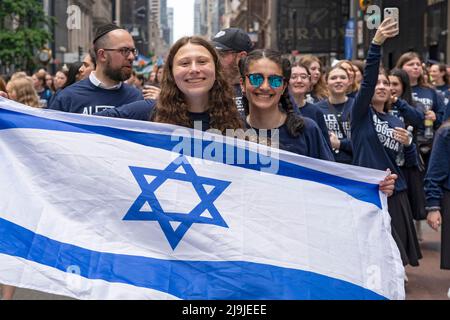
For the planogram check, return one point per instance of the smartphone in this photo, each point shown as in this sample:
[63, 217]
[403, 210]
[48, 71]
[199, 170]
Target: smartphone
[392, 13]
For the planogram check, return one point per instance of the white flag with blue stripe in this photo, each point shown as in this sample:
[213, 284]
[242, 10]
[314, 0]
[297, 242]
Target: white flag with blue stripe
[100, 208]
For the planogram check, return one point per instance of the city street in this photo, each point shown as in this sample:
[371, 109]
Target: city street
[426, 282]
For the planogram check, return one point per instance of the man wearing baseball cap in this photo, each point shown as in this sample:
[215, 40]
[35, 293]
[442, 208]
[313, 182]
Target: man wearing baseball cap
[232, 44]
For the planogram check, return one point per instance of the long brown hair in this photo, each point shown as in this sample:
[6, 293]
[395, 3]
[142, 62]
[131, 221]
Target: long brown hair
[319, 90]
[405, 58]
[171, 106]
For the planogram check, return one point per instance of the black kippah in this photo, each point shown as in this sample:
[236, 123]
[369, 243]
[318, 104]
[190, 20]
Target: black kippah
[104, 29]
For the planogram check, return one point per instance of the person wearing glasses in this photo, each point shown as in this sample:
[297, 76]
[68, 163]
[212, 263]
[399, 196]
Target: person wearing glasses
[299, 86]
[105, 87]
[265, 77]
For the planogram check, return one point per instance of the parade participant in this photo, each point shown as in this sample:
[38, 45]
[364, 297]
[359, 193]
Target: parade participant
[194, 88]
[88, 65]
[60, 79]
[73, 74]
[425, 94]
[437, 190]
[233, 44]
[152, 90]
[353, 87]
[412, 113]
[378, 139]
[403, 104]
[337, 109]
[299, 86]
[22, 90]
[319, 90]
[49, 82]
[264, 78]
[40, 86]
[440, 78]
[105, 87]
[441, 82]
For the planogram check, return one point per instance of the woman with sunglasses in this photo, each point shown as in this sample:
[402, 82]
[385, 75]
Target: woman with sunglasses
[264, 81]
[378, 138]
[299, 86]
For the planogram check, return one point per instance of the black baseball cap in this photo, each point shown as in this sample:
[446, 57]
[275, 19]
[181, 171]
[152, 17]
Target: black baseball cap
[233, 39]
[104, 29]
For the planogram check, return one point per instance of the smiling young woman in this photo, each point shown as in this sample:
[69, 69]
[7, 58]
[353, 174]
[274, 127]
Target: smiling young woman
[194, 88]
[264, 80]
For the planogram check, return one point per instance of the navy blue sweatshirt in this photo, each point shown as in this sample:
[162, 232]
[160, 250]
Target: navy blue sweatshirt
[138, 110]
[430, 98]
[343, 111]
[84, 97]
[437, 179]
[141, 110]
[310, 142]
[409, 114]
[372, 132]
[313, 112]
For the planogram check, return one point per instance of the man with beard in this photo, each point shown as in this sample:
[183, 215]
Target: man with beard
[105, 87]
[232, 44]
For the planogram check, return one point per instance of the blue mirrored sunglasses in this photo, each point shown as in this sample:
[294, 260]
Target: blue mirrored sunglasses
[257, 79]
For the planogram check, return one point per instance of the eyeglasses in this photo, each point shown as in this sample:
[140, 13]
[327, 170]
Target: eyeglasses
[125, 51]
[302, 76]
[257, 79]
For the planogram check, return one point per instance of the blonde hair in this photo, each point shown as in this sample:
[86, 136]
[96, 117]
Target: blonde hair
[353, 87]
[24, 91]
[18, 75]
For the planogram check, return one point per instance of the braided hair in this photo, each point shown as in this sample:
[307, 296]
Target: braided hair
[294, 122]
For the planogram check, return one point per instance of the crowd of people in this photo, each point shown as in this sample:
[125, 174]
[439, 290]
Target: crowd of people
[352, 112]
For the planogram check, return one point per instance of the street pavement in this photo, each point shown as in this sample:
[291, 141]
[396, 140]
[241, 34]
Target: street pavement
[426, 282]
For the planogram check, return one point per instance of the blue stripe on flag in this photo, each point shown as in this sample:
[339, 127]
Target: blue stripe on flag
[237, 280]
[359, 190]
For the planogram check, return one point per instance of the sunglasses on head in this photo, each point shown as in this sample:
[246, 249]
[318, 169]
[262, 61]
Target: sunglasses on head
[257, 79]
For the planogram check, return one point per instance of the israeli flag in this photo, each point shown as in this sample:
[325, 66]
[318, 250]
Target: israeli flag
[101, 208]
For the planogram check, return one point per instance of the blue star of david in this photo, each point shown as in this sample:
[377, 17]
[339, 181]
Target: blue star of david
[174, 236]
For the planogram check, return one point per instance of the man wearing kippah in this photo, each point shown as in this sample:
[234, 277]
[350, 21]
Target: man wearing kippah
[105, 87]
[232, 44]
